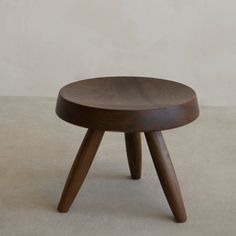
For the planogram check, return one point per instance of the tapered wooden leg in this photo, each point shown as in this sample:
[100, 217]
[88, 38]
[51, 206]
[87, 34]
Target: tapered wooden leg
[134, 153]
[166, 174]
[80, 168]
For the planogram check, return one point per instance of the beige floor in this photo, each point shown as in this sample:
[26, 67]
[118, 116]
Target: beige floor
[37, 150]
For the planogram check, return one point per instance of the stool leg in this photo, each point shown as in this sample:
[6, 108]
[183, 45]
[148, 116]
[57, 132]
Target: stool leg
[166, 174]
[134, 153]
[80, 168]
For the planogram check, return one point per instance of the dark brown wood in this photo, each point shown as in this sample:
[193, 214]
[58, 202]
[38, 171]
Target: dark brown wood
[80, 168]
[134, 153]
[127, 104]
[166, 174]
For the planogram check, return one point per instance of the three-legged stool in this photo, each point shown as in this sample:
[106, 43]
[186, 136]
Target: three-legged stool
[130, 105]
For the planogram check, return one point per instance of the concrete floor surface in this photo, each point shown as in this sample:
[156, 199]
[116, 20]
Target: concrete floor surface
[37, 150]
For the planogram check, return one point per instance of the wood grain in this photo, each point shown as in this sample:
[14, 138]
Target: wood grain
[166, 174]
[80, 168]
[127, 104]
[134, 154]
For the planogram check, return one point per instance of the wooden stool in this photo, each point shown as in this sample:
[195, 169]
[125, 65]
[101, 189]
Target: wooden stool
[130, 105]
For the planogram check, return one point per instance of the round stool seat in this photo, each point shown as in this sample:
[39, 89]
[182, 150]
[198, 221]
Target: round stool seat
[127, 104]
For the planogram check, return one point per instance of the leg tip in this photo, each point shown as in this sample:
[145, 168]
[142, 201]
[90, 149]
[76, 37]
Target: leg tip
[181, 219]
[136, 175]
[62, 210]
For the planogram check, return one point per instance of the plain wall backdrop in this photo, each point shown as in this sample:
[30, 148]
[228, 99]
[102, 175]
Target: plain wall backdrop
[45, 44]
